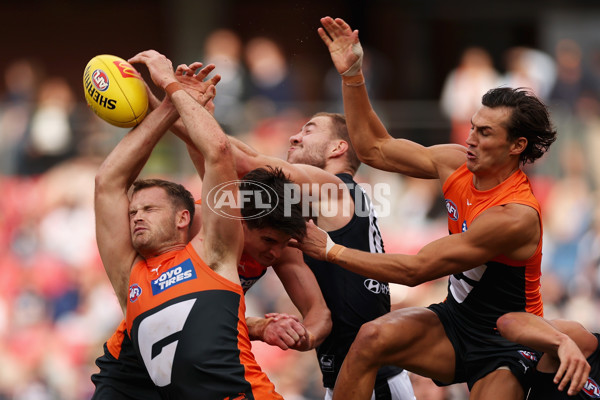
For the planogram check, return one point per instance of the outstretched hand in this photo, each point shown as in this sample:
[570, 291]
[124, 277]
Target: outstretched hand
[159, 66]
[196, 84]
[343, 44]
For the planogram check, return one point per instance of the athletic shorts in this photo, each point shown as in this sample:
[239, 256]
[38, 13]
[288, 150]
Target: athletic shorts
[124, 378]
[478, 353]
[397, 387]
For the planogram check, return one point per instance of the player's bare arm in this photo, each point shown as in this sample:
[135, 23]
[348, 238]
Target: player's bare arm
[512, 230]
[542, 335]
[111, 203]
[371, 140]
[302, 287]
[220, 239]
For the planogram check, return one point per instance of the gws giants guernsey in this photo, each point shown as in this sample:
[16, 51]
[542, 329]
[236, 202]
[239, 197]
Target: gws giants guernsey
[481, 295]
[187, 325]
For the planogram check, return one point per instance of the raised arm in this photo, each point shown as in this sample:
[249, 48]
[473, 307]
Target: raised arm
[371, 140]
[111, 203]
[542, 335]
[220, 240]
[512, 230]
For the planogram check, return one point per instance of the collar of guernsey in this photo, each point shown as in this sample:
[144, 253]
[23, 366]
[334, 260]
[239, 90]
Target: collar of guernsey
[459, 192]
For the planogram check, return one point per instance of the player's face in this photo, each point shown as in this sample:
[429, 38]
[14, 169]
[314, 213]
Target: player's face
[310, 145]
[488, 145]
[152, 220]
[265, 245]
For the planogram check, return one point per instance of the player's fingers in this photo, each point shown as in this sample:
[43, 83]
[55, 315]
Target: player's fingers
[324, 36]
[181, 69]
[215, 79]
[195, 66]
[204, 72]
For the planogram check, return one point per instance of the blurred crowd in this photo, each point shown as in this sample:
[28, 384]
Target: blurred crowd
[57, 307]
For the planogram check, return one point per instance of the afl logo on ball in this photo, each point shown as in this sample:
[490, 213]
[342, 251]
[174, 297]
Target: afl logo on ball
[134, 292]
[100, 80]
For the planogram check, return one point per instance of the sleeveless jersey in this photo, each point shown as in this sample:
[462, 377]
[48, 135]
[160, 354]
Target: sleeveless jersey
[188, 327]
[544, 388]
[352, 298]
[478, 297]
[122, 375]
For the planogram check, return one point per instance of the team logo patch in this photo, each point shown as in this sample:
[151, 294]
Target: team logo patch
[592, 389]
[174, 276]
[134, 292]
[528, 355]
[452, 210]
[100, 80]
[327, 363]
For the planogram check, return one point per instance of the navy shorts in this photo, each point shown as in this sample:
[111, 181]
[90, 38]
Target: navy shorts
[480, 352]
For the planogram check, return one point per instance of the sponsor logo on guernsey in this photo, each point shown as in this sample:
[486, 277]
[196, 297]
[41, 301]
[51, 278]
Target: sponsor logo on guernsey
[464, 226]
[452, 210]
[592, 389]
[528, 355]
[247, 283]
[174, 276]
[134, 292]
[377, 287]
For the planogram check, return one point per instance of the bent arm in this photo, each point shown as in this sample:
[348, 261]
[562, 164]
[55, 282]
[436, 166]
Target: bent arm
[371, 140]
[542, 335]
[304, 291]
[111, 203]
[512, 230]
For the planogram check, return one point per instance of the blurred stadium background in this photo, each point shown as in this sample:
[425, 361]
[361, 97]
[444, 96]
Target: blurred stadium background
[426, 63]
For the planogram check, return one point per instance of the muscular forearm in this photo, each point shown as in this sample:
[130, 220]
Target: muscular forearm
[532, 331]
[125, 162]
[364, 126]
[318, 325]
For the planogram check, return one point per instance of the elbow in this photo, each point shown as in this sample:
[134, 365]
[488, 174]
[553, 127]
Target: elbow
[369, 154]
[220, 151]
[504, 325]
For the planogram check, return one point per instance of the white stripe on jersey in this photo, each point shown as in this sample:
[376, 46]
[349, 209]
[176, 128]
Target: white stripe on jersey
[375, 239]
[460, 288]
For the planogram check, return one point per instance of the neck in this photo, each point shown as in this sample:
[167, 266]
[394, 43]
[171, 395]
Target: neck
[487, 182]
[335, 167]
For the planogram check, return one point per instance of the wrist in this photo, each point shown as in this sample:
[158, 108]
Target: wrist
[334, 253]
[354, 80]
[172, 88]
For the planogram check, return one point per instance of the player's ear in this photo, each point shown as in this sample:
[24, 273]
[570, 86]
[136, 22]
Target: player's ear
[341, 147]
[183, 219]
[519, 145]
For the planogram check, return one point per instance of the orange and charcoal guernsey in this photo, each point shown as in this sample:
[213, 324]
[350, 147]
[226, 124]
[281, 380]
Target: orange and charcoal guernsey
[187, 324]
[481, 295]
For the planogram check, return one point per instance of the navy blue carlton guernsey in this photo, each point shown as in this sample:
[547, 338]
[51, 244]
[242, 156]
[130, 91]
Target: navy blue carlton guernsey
[352, 298]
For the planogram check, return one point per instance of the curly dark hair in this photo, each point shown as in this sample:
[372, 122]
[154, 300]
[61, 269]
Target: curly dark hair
[289, 221]
[179, 195]
[529, 119]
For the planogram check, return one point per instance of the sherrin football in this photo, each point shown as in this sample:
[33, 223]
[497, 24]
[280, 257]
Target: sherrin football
[115, 91]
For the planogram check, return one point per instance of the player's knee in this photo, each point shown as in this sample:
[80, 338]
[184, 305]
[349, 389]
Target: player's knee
[371, 337]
